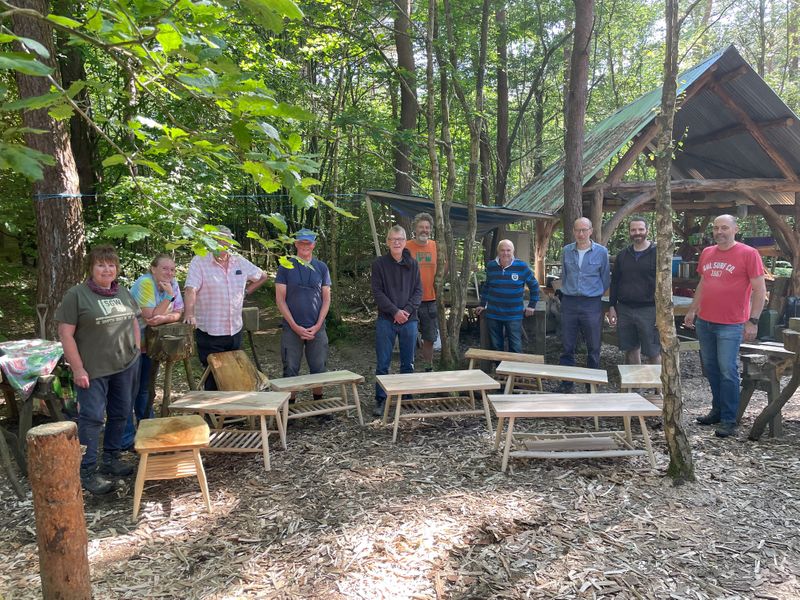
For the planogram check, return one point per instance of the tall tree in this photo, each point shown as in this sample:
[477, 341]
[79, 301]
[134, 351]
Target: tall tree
[57, 202]
[681, 467]
[408, 97]
[575, 115]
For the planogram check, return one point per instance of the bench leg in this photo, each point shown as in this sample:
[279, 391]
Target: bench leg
[264, 442]
[509, 440]
[280, 424]
[509, 385]
[396, 416]
[201, 474]
[627, 422]
[499, 433]
[357, 402]
[647, 445]
[141, 473]
[485, 410]
[593, 390]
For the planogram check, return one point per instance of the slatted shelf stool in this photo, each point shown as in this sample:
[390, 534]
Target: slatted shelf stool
[170, 449]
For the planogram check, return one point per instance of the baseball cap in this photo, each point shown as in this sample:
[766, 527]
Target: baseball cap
[306, 235]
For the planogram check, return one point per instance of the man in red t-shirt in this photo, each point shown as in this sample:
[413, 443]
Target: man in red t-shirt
[726, 307]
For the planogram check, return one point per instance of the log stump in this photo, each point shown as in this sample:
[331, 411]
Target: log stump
[54, 459]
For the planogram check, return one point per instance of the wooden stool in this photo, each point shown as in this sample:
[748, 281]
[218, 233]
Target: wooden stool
[176, 443]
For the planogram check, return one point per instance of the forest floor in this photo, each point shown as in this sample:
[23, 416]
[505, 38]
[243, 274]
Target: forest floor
[344, 513]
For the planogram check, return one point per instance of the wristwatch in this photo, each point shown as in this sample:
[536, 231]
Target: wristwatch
[753, 320]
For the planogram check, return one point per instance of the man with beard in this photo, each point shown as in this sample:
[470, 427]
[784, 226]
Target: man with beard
[423, 249]
[726, 307]
[632, 297]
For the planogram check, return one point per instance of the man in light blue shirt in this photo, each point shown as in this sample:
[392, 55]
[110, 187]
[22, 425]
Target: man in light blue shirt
[585, 275]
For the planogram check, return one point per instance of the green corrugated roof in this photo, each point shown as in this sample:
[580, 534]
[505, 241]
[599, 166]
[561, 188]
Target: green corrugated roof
[545, 194]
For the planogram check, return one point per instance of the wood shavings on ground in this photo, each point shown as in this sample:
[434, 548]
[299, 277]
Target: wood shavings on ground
[347, 514]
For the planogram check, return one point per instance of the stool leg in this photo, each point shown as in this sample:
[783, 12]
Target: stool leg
[265, 441]
[201, 477]
[357, 401]
[139, 485]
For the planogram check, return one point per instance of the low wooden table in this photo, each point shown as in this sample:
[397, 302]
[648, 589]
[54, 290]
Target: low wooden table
[237, 404]
[436, 382]
[632, 377]
[573, 445]
[489, 357]
[343, 379]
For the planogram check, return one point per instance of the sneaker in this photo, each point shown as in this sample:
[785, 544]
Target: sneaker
[724, 430]
[712, 418]
[112, 464]
[94, 483]
[377, 408]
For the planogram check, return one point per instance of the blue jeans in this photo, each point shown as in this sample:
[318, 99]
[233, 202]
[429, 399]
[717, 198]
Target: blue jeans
[719, 351]
[386, 332]
[581, 314]
[139, 402]
[110, 396]
[499, 331]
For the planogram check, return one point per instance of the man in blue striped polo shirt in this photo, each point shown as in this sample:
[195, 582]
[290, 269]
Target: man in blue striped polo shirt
[503, 296]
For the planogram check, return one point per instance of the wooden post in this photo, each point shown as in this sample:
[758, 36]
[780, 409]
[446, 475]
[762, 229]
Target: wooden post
[54, 458]
[597, 215]
[368, 202]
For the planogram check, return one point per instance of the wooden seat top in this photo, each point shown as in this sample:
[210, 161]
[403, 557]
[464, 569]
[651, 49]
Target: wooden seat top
[307, 382]
[575, 374]
[774, 350]
[232, 403]
[171, 433]
[437, 381]
[640, 375]
[572, 405]
[484, 354]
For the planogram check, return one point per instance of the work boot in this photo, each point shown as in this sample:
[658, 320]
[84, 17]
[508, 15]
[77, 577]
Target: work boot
[94, 483]
[113, 464]
[377, 409]
[724, 430]
[712, 418]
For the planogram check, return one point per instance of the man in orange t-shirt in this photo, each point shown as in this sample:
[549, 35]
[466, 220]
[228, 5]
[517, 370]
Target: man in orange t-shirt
[423, 249]
[726, 307]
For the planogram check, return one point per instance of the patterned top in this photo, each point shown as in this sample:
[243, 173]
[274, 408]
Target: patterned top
[147, 294]
[220, 292]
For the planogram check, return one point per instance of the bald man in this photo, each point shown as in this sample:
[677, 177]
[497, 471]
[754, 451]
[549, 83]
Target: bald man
[726, 307]
[585, 275]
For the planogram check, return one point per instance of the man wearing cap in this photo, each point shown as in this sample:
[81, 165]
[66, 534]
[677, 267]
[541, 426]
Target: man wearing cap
[214, 294]
[303, 295]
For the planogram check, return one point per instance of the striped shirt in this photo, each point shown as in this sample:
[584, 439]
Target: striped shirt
[503, 293]
[220, 292]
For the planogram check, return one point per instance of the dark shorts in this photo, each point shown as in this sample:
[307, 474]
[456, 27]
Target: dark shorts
[293, 347]
[636, 327]
[428, 320]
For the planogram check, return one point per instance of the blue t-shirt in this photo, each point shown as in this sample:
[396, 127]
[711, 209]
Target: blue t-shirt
[304, 289]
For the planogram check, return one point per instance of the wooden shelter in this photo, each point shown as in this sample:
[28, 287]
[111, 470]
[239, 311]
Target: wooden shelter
[737, 151]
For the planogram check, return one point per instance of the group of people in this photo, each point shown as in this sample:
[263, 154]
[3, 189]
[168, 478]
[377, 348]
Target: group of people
[112, 384]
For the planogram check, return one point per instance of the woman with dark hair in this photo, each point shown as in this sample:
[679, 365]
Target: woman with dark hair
[159, 297]
[98, 329]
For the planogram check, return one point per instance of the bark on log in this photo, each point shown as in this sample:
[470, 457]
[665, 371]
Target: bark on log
[53, 470]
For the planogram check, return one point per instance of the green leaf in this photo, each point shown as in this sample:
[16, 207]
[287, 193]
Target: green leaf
[263, 175]
[61, 112]
[153, 165]
[33, 103]
[35, 46]
[23, 63]
[285, 262]
[131, 233]
[24, 160]
[169, 37]
[269, 131]
[294, 143]
[115, 159]
[287, 8]
[64, 21]
[242, 135]
[302, 199]
[95, 22]
[75, 88]
[278, 221]
[7, 37]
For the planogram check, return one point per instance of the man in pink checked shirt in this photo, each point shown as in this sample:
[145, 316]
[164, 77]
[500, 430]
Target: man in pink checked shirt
[214, 294]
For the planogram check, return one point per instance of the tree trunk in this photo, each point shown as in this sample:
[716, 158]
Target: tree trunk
[408, 98]
[54, 458]
[503, 149]
[57, 203]
[574, 114]
[681, 467]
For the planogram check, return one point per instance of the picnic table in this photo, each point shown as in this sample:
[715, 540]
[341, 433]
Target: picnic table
[603, 444]
[436, 382]
[218, 405]
[342, 379]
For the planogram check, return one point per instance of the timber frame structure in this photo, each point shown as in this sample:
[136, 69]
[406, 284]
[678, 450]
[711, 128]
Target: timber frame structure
[737, 151]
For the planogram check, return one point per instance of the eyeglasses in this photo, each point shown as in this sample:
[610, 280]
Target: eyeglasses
[396, 240]
[584, 230]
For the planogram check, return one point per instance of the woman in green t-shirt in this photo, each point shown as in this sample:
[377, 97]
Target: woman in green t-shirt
[100, 335]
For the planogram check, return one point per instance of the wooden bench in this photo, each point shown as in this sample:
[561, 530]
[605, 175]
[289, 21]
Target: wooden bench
[632, 377]
[169, 449]
[572, 445]
[342, 379]
[763, 365]
[436, 382]
[219, 405]
[493, 356]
